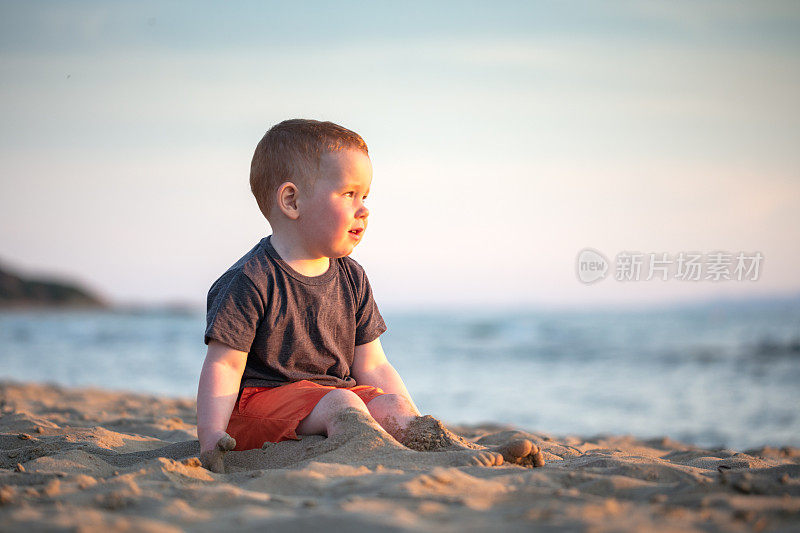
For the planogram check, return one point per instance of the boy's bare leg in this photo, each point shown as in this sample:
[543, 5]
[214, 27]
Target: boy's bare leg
[322, 419]
[341, 412]
[425, 433]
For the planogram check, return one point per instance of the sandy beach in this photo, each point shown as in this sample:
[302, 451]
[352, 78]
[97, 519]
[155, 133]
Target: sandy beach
[88, 459]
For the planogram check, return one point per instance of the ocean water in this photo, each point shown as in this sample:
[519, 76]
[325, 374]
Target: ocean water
[724, 375]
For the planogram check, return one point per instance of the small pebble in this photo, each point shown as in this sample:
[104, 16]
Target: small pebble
[19, 468]
[24, 436]
[658, 498]
[784, 479]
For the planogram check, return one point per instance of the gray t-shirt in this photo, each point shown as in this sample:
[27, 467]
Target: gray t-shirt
[293, 327]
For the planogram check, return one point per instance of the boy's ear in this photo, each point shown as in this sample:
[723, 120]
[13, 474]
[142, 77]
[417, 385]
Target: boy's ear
[287, 200]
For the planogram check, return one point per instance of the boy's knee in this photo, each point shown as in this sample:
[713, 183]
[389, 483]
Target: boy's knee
[389, 403]
[342, 399]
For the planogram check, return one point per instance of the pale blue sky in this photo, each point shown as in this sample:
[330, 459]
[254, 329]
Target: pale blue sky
[504, 138]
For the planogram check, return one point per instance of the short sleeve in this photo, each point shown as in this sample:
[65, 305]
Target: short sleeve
[369, 322]
[235, 309]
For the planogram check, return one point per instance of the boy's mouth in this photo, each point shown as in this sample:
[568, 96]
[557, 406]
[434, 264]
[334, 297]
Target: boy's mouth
[357, 232]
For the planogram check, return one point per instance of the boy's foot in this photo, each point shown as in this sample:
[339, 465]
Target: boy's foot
[213, 459]
[469, 457]
[425, 433]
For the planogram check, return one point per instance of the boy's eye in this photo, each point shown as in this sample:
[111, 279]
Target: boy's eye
[351, 194]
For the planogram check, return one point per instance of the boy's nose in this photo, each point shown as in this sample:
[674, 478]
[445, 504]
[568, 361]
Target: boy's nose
[363, 212]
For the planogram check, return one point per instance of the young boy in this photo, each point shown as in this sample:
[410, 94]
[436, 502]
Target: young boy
[292, 327]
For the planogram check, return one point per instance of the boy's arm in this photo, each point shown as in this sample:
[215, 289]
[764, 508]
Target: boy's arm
[370, 367]
[217, 392]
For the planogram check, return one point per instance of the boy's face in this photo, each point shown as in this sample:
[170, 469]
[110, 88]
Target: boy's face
[333, 216]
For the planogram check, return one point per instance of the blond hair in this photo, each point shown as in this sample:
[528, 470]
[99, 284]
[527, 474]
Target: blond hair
[291, 151]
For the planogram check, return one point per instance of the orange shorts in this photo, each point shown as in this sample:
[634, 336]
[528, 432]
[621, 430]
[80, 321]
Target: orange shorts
[272, 414]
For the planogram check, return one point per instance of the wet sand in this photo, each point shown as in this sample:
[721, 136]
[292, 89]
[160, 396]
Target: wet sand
[87, 459]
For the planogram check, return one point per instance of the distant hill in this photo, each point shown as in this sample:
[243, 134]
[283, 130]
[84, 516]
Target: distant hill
[18, 291]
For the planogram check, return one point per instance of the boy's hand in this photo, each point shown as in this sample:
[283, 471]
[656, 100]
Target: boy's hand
[212, 459]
